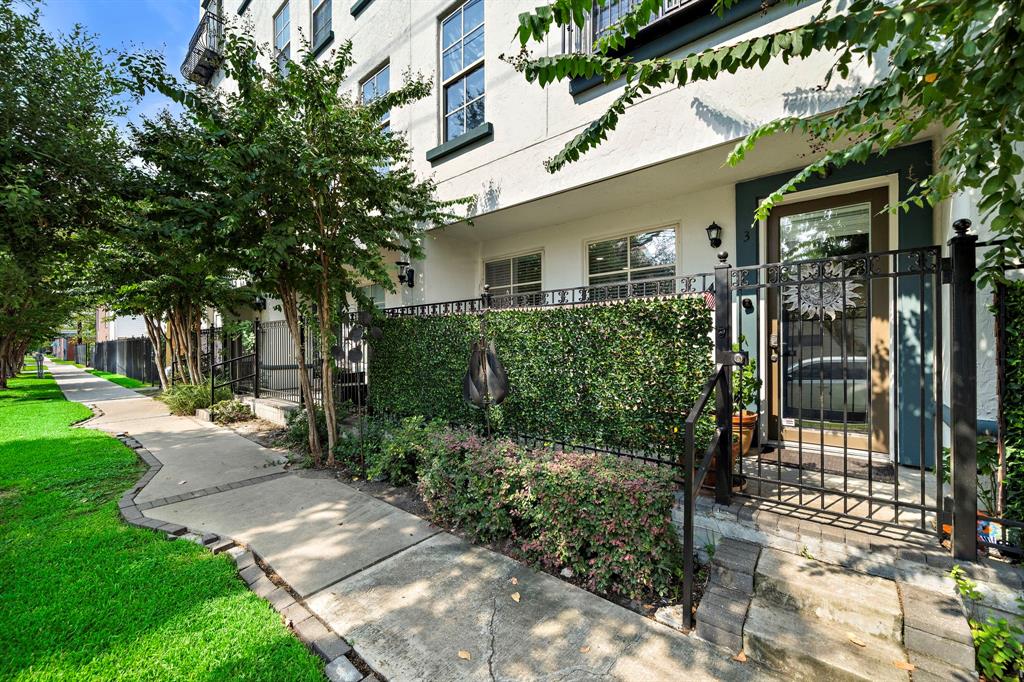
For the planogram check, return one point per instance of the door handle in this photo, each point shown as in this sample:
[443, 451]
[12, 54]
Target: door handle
[773, 347]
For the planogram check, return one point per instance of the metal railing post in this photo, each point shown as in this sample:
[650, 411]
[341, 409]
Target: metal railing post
[964, 392]
[723, 398]
[256, 359]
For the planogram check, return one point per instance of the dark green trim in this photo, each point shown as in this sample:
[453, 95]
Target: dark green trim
[328, 39]
[482, 131]
[693, 29]
[358, 6]
[244, 6]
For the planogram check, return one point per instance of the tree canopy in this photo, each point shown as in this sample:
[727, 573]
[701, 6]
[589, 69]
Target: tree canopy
[61, 157]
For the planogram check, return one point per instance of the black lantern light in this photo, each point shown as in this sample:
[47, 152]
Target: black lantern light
[714, 235]
[406, 275]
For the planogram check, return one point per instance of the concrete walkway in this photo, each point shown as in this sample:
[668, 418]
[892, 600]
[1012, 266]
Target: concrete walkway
[407, 596]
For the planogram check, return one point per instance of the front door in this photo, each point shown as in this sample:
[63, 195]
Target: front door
[828, 337]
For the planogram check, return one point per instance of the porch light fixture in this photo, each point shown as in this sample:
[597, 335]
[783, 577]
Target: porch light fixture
[714, 231]
[406, 275]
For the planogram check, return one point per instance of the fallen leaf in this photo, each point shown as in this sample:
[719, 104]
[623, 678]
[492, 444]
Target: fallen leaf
[741, 657]
[514, 580]
[903, 665]
[464, 655]
[182, 482]
[515, 597]
[584, 649]
[856, 641]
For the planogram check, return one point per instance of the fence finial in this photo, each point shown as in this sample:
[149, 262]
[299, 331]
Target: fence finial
[961, 226]
[723, 256]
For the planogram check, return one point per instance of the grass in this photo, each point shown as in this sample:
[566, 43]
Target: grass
[119, 379]
[84, 596]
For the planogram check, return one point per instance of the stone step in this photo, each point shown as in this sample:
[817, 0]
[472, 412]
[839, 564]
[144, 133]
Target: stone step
[806, 648]
[833, 594]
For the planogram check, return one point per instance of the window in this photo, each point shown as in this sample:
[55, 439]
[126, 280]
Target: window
[376, 294]
[646, 255]
[373, 87]
[515, 275]
[282, 38]
[462, 69]
[321, 21]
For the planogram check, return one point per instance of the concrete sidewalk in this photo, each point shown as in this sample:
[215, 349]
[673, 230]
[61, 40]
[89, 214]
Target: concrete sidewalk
[407, 596]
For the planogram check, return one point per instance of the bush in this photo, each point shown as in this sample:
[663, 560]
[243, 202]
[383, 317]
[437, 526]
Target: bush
[296, 435]
[297, 427]
[606, 519]
[229, 411]
[472, 484]
[400, 449]
[185, 399]
[1013, 401]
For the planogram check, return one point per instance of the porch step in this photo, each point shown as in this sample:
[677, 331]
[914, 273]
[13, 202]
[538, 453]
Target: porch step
[812, 620]
[812, 649]
[829, 593]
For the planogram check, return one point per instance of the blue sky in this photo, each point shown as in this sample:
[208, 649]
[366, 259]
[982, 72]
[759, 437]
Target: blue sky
[162, 25]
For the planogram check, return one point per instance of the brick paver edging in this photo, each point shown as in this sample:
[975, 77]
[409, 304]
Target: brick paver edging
[338, 656]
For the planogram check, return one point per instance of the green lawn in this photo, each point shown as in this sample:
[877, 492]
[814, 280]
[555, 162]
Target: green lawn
[85, 596]
[119, 379]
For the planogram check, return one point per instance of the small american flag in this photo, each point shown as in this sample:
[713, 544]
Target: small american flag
[709, 298]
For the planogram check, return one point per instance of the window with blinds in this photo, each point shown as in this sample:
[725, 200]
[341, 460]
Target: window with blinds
[645, 255]
[515, 275]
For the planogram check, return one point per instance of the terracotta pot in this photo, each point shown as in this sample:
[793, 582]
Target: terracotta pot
[749, 423]
[744, 423]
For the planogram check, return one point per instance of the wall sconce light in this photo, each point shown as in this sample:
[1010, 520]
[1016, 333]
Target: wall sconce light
[714, 235]
[406, 275]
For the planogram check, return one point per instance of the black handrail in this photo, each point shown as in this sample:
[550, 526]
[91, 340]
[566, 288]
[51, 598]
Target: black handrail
[694, 475]
[231, 382]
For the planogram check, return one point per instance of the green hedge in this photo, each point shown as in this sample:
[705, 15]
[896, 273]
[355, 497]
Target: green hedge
[622, 374]
[1013, 401]
[606, 519]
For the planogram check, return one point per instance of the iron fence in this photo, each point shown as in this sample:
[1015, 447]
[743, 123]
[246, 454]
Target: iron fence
[133, 357]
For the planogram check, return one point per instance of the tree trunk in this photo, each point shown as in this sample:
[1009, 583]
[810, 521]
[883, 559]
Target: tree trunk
[155, 333]
[327, 366]
[290, 306]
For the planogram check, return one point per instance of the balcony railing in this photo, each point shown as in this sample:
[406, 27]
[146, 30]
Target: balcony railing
[602, 19]
[204, 50]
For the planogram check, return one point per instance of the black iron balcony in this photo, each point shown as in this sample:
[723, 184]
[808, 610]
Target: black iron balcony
[602, 19]
[204, 50]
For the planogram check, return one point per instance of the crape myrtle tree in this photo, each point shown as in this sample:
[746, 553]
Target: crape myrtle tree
[165, 259]
[318, 190]
[60, 160]
[955, 65]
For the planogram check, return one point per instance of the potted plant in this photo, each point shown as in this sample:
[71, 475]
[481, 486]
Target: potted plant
[746, 389]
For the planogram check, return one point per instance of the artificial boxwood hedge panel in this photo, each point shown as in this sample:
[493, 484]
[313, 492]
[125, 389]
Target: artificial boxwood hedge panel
[416, 367]
[1013, 401]
[623, 374]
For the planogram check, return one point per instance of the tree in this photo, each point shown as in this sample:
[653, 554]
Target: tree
[957, 65]
[60, 161]
[164, 259]
[318, 190]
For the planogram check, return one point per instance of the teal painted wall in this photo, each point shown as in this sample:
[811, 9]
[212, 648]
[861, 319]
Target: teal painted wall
[915, 309]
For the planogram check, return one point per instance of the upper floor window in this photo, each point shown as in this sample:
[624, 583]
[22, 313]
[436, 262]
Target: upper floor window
[462, 69]
[376, 293]
[283, 37]
[515, 275]
[640, 256]
[374, 86]
[321, 21]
